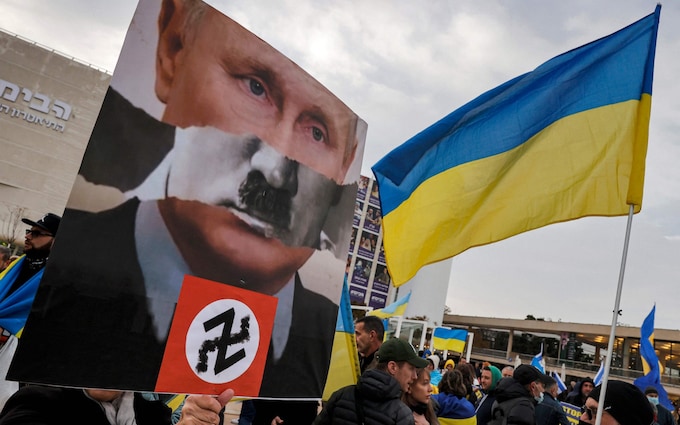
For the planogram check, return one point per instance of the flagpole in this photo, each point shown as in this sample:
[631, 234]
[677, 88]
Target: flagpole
[612, 332]
[471, 337]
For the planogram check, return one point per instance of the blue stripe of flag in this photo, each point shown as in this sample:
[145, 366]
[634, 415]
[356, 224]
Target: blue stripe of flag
[443, 333]
[509, 115]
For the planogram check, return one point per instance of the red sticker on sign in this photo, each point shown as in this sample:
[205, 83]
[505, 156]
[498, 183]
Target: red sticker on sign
[218, 339]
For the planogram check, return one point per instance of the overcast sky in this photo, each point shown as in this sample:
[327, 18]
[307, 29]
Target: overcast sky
[401, 67]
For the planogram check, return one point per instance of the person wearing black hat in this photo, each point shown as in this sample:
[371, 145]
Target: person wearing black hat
[18, 287]
[517, 396]
[624, 404]
[663, 415]
[376, 398]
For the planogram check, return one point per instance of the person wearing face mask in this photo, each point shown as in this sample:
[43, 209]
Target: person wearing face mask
[664, 416]
[549, 411]
[517, 396]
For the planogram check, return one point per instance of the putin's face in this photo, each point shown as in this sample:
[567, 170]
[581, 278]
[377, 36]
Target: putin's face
[248, 194]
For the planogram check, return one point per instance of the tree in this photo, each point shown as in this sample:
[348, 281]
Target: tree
[10, 227]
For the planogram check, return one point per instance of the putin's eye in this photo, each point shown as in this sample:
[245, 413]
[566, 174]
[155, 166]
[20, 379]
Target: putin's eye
[256, 87]
[318, 134]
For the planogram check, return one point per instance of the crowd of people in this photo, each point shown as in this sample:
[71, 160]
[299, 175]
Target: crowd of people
[397, 385]
[394, 376]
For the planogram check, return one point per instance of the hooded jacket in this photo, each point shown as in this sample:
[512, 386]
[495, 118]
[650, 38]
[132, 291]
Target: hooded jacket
[575, 397]
[513, 402]
[454, 410]
[377, 394]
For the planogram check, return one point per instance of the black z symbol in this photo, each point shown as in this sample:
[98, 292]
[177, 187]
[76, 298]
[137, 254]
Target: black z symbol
[223, 342]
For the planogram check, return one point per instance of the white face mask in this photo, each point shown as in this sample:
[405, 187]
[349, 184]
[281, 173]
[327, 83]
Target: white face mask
[653, 400]
[539, 398]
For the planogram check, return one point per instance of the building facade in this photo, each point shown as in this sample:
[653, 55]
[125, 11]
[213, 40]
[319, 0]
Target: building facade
[576, 348]
[49, 103]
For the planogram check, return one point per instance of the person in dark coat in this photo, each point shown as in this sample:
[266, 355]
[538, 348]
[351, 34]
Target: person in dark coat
[582, 389]
[516, 397]
[376, 398]
[663, 415]
[488, 381]
[549, 411]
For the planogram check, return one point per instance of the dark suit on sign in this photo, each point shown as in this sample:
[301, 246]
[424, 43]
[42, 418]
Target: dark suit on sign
[126, 144]
[90, 317]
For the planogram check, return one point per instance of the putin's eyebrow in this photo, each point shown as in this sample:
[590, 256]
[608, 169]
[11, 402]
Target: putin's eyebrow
[317, 114]
[270, 78]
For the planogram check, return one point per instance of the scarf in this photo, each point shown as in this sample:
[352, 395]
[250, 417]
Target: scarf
[120, 411]
[420, 408]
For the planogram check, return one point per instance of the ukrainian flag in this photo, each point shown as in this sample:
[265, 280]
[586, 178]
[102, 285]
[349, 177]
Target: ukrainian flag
[564, 141]
[397, 308]
[449, 339]
[651, 366]
[650, 361]
[344, 368]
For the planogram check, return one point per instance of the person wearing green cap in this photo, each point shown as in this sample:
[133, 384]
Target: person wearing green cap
[376, 398]
[488, 380]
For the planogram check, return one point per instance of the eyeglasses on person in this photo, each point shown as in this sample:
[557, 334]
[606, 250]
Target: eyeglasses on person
[36, 233]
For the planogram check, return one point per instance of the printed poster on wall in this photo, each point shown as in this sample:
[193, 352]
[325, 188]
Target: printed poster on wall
[190, 176]
[381, 280]
[373, 219]
[374, 197]
[352, 239]
[362, 271]
[377, 300]
[357, 294]
[363, 187]
[367, 243]
[358, 210]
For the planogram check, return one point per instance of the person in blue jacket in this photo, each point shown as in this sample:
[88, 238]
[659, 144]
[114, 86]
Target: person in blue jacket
[452, 407]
